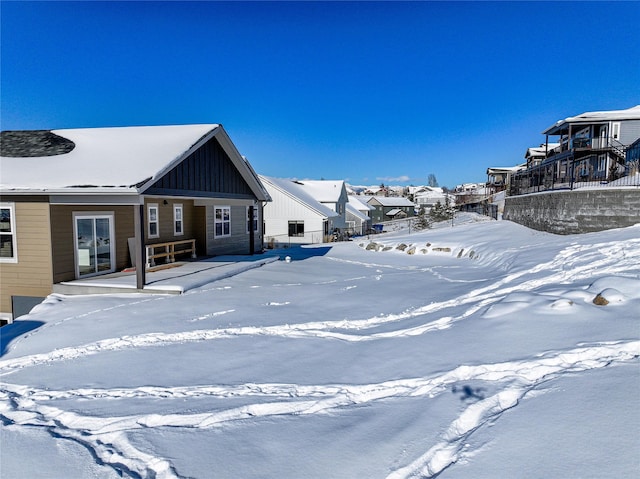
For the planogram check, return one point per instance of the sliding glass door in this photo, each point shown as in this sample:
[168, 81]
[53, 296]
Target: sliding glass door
[95, 251]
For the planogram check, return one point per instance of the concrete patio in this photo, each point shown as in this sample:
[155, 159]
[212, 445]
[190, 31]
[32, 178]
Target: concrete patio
[172, 278]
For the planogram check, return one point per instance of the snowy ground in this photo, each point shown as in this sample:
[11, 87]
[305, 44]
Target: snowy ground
[480, 355]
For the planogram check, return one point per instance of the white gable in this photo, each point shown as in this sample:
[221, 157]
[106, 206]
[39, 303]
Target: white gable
[298, 192]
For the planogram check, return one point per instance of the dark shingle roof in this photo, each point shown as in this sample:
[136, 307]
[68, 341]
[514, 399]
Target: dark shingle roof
[33, 143]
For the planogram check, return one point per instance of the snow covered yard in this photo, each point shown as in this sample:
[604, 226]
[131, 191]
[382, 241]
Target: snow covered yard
[481, 354]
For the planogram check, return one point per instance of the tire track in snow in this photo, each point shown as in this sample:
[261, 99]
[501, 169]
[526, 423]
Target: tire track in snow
[106, 436]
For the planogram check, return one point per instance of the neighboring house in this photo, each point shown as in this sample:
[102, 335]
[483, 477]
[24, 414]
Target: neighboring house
[390, 208]
[296, 216]
[331, 193]
[591, 145]
[428, 196]
[499, 178]
[537, 154]
[358, 220]
[83, 202]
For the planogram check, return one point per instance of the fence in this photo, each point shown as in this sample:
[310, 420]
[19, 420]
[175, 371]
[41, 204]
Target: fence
[309, 237]
[572, 176]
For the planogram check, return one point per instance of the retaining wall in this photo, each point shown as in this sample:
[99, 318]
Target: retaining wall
[577, 211]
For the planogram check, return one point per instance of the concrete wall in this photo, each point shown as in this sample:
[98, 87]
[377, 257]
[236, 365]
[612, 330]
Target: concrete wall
[578, 211]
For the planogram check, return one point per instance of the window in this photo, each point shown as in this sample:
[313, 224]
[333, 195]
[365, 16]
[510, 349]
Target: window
[602, 162]
[296, 228]
[222, 220]
[8, 253]
[95, 250]
[252, 221]
[152, 216]
[615, 131]
[177, 220]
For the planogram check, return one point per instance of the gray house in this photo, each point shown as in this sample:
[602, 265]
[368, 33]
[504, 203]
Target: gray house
[387, 208]
[591, 146]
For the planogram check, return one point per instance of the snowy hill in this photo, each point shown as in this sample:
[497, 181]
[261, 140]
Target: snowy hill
[479, 355]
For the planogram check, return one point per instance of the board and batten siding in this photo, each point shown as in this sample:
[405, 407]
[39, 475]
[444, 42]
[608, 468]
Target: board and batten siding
[207, 170]
[31, 274]
[63, 242]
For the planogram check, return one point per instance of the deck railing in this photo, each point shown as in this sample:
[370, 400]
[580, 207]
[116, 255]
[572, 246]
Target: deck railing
[170, 251]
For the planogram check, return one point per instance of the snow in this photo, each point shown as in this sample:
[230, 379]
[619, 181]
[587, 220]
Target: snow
[391, 200]
[298, 191]
[324, 191]
[467, 351]
[104, 157]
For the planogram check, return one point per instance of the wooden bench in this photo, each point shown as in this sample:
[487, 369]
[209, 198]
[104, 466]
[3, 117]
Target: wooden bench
[169, 251]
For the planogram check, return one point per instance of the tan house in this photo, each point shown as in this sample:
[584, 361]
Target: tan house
[83, 202]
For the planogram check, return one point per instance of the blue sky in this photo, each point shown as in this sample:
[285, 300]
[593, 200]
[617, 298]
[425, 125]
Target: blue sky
[367, 92]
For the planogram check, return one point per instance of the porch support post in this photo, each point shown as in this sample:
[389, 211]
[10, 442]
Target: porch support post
[252, 244]
[140, 256]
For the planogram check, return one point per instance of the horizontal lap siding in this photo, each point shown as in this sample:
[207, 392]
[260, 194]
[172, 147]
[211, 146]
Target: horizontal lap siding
[165, 220]
[238, 242]
[32, 274]
[63, 243]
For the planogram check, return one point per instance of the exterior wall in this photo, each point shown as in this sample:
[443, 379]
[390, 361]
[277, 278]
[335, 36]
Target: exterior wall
[283, 209]
[239, 242]
[63, 244]
[378, 215]
[571, 212]
[32, 274]
[629, 131]
[165, 220]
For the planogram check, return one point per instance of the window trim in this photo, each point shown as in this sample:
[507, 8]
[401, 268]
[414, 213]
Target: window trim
[222, 222]
[297, 223]
[151, 206]
[110, 215]
[12, 225]
[177, 207]
[615, 131]
[255, 219]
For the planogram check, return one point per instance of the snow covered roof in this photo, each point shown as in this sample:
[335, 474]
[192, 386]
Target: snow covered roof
[298, 191]
[394, 212]
[106, 160]
[430, 193]
[358, 204]
[324, 191]
[540, 150]
[595, 117]
[391, 201]
[493, 170]
[353, 210]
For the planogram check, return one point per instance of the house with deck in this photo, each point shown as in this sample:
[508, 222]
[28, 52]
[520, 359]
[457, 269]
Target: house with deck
[78, 203]
[592, 145]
